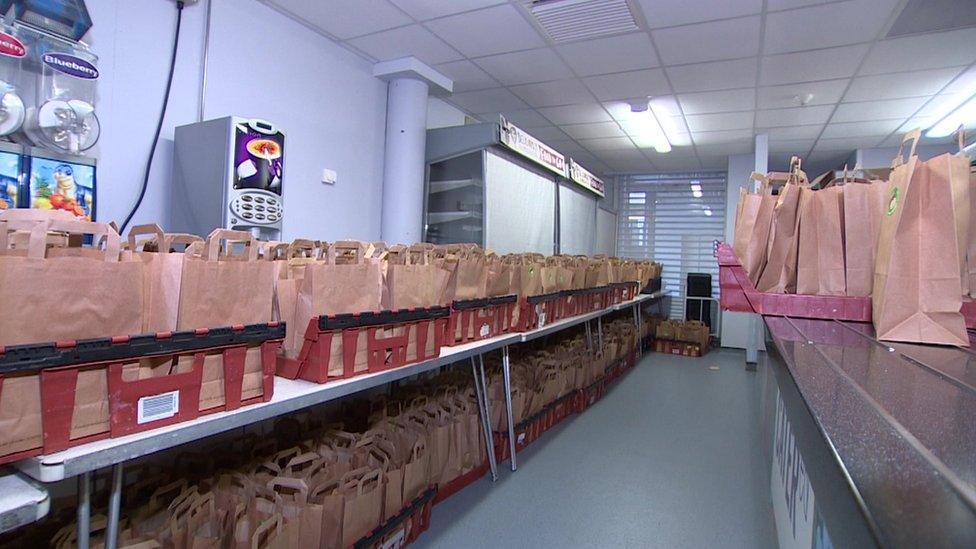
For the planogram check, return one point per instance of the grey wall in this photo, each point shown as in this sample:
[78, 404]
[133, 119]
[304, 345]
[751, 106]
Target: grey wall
[882, 157]
[262, 64]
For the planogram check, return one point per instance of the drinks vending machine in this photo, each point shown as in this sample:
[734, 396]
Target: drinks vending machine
[47, 107]
[228, 174]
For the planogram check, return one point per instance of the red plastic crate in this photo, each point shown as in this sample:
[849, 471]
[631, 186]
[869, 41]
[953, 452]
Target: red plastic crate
[58, 366]
[475, 320]
[529, 430]
[623, 291]
[344, 346]
[590, 395]
[539, 311]
[461, 482]
[404, 528]
[740, 294]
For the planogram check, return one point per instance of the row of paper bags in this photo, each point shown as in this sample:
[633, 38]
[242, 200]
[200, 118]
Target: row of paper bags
[159, 282]
[542, 375]
[909, 242]
[327, 488]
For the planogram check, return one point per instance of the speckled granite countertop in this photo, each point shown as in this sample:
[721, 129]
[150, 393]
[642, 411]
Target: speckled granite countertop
[899, 419]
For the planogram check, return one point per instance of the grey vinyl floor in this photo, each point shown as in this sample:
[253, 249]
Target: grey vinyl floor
[669, 458]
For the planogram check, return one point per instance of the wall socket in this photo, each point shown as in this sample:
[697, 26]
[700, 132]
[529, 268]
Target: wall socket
[329, 177]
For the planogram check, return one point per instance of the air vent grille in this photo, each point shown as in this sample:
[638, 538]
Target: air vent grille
[570, 20]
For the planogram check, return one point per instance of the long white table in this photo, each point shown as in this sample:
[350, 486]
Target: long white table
[289, 396]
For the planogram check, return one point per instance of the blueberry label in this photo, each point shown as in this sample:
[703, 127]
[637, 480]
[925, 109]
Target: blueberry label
[71, 65]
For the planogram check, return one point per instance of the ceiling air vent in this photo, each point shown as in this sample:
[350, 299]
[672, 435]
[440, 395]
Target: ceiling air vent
[568, 20]
[921, 16]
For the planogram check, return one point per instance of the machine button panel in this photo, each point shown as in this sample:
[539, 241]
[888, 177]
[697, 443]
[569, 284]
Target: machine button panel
[257, 208]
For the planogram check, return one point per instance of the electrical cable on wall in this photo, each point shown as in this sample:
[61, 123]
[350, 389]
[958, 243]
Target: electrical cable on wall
[162, 116]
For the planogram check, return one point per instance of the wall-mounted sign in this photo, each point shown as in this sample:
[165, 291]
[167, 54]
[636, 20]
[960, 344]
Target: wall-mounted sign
[584, 178]
[516, 139]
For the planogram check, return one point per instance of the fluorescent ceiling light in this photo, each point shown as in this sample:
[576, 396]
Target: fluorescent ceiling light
[708, 212]
[696, 189]
[647, 130]
[963, 115]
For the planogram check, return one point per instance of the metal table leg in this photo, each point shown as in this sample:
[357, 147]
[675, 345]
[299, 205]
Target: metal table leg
[506, 371]
[84, 510]
[481, 392]
[752, 343]
[114, 508]
[599, 332]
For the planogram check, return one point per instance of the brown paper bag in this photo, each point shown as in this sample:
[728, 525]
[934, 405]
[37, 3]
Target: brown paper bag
[917, 284]
[349, 280]
[412, 280]
[20, 413]
[89, 295]
[954, 169]
[820, 247]
[779, 273]
[499, 278]
[162, 274]
[226, 287]
[864, 206]
[753, 235]
[363, 509]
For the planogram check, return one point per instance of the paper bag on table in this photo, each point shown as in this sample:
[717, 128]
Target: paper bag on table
[917, 288]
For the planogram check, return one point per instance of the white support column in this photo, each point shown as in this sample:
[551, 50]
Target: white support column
[410, 82]
[755, 342]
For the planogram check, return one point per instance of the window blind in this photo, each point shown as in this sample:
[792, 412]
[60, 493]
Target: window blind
[675, 220]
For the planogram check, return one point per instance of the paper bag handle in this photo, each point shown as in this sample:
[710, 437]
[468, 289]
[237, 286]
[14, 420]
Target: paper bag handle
[912, 136]
[147, 229]
[274, 250]
[37, 245]
[300, 245]
[261, 534]
[362, 250]
[211, 249]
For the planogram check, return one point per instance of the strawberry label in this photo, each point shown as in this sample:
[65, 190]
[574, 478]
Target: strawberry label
[11, 47]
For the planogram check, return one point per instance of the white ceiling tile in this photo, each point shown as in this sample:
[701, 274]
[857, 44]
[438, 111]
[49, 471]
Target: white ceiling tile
[614, 54]
[965, 83]
[676, 152]
[878, 110]
[667, 13]
[346, 18]
[467, 76]
[608, 144]
[718, 75]
[824, 92]
[793, 132]
[812, 65]
[712, 41]
[796, 116]
[626, 85]
[426, 9]
[488, 31]
[527, 118]
[523, 67]
[719, 101]
[861, 129]
[576, 114]
[943, 104]
[714, 162]
[824, 26]
[494, 100]
[720, 122]
[735, 147]
[921, 122]
[611, 156]
[400, 42]
[793, 146]
[788, 4]
[927, 51]
[593, 131]
[846, 143]
[549, 133]
[708, 138]
[637, 165]
[669, 163]
[551, 94]
[894, 86]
